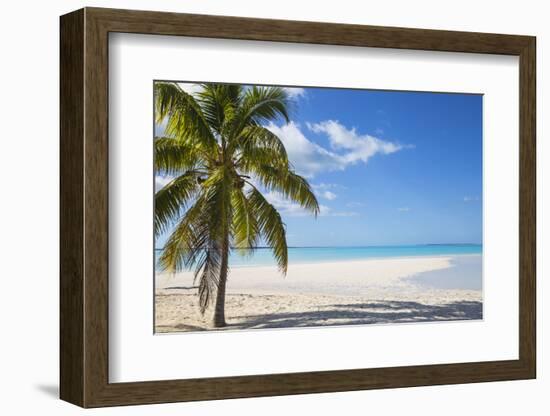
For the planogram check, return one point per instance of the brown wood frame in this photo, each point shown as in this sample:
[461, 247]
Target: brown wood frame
[84, 208]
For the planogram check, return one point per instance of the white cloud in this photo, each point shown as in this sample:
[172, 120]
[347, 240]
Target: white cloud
[471, 198]
[325, 211]
[161, 181]
[358, 147]
[189, 87]
[328, 195]
[294, 93]
[347, 147]
[355, 204]
[284, 206]
[345, 214]
[404, 209]
[293, 209]
[160, 127]
[307, 157]
[323, 185]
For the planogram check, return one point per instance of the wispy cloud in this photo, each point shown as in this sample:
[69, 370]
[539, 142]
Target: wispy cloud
[403, 209]
[293, 209]
[355, 204]
[307, 157]
[328, 195]
[287, 207]
[471, 198]
[347, 147]
[294, 92]
[345, 214]
[322, 190]
[324, 185]
[357, 147]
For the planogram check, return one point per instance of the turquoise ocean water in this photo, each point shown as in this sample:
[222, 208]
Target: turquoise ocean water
[263, 256]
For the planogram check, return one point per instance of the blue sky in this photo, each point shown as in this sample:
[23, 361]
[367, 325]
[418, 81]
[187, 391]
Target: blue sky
[387, 167]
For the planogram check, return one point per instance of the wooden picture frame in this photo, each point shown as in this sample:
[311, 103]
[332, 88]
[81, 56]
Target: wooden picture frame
[84, 207]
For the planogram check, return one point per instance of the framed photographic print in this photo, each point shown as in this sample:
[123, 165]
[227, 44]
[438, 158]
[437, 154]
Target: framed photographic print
[259, 207]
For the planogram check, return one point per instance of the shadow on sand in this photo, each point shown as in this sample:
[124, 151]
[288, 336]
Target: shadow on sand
[181, 288]
[377, 312]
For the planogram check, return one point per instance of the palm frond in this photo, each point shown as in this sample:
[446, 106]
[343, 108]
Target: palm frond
[174, 157]
[208, 272]
[291, 185]
[260, 105]
[185, 119]
[271, 226]
[172, 199]
[264, 104]
[259, 137]
[219, 103]
[244, 225]
[187, 242]
[216, 212]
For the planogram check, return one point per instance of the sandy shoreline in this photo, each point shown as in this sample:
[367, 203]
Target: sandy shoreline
[333, 293]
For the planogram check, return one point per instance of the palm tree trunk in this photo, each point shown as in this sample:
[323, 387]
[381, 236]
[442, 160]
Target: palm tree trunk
[218, 319]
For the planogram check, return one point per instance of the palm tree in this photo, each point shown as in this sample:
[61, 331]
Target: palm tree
[217, 148]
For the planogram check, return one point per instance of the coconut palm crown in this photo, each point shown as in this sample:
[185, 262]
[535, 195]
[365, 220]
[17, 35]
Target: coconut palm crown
[217, 148]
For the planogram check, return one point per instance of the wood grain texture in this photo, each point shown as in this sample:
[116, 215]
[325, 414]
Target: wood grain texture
[527, 208]
[162, 23]
[96, 207]
[84, 207]
[71, 100]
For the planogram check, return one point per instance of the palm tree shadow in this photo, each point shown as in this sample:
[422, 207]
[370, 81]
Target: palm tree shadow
[376, 312]
[181, 287]
[180, 327]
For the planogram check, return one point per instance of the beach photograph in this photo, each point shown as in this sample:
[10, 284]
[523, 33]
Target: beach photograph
[294, 207]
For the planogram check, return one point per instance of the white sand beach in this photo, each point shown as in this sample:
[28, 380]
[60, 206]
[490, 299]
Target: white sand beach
[386, 290]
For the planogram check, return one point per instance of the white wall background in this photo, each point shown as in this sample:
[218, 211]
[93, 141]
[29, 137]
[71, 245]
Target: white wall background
[29, 159]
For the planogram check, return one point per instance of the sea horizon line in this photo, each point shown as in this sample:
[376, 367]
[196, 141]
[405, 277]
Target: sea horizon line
[361, 246]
